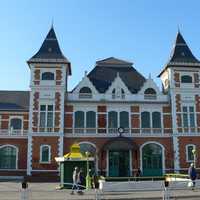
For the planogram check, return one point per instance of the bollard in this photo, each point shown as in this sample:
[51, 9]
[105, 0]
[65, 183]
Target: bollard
[166, 194]
[24, 191]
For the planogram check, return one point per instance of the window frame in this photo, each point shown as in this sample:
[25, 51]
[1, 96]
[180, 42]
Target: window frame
[52, 73]
[46, 112]
[49, 156]
[184, 76]
[16, 117]
[186, 151]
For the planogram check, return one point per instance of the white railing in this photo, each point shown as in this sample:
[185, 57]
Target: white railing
[11, 132]
[108, 131]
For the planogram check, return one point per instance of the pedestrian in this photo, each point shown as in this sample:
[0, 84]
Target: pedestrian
[138, 174]
[192, 174]
[81, 180]
[75, 180]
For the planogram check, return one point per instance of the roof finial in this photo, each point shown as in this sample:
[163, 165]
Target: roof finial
[117, 74]
[85, 73]
[149, 75]
[52, 21]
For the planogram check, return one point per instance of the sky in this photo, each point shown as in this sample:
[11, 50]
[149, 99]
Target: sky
[140, 31]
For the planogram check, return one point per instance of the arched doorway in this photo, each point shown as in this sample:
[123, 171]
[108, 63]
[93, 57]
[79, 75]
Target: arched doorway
[152, 159]
[8, 157]
[119, 156]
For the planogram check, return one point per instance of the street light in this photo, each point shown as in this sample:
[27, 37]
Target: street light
[88, 178]
[194, 154]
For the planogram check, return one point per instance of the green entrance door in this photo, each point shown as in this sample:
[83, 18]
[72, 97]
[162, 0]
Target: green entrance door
[119, 163]
[152, 160]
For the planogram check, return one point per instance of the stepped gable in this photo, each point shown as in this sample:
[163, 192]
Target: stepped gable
[14, 100]
[106, 71]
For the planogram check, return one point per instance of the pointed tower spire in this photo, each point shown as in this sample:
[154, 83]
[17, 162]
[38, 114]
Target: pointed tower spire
[181, 55]
[50, 51]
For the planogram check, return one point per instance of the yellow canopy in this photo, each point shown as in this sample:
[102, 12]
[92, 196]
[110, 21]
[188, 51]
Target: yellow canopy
[74, 155]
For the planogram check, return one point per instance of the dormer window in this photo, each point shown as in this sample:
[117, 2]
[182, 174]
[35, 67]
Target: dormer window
[186, 79]
[85, 93]
[150, 93]
[48, 76]
[118, 93]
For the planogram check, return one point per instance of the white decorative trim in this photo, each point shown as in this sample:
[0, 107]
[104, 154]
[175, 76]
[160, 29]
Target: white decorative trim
[163, 154]
[176, 153]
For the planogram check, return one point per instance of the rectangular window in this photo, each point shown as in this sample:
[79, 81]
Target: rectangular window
[188, 116]
[46, 116]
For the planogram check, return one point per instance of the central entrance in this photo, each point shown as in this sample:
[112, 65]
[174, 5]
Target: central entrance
[119, 163]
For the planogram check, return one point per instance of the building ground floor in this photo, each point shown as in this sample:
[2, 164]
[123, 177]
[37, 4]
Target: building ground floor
[113, 156]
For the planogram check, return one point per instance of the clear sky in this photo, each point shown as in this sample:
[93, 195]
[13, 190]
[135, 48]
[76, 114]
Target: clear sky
[141, 31]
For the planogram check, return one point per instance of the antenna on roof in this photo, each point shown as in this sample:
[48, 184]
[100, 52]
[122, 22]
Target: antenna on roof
[52, 21]
[149, 75]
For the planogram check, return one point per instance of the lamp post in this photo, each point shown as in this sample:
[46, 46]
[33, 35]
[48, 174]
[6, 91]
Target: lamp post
[88, 178]
[194, 154]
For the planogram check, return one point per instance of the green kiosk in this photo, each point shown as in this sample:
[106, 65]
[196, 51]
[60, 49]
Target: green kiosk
[71, 160]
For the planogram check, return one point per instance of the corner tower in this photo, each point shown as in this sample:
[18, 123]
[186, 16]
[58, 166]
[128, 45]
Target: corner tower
[49, 71]
[180, 79]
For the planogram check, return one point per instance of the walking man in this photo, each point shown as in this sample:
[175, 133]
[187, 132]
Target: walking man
[75, 180]
[192, 174]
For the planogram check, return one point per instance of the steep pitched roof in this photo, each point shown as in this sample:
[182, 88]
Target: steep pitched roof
[50, 51]
[14, 100]
[181, 55]
[106, 71]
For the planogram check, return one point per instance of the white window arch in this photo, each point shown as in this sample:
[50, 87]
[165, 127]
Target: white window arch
[189, 153]
[16, 122]
[8, 157]
[45, 153]
[163, 153]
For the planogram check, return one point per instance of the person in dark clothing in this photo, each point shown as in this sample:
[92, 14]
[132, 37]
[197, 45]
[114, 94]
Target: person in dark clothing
[192, 174]
[81, 180]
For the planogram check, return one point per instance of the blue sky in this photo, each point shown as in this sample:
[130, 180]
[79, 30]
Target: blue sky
[141, 31]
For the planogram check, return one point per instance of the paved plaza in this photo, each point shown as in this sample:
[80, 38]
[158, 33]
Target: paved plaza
[47, 191]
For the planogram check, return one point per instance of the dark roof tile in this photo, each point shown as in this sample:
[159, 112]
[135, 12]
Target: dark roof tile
[14, 100]
[106, 71]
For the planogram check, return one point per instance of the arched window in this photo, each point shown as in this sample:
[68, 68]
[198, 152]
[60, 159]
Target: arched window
[145, 119]
[48, 76]
[45, 154]
[85, 92]
[122, 93]
[113, 93]
[86, 146]
[8, 157]
[124, 119]
[189, 153]
[186, 79]
[79, 119]
[152, 160]
[112, 119]
[150, 91]
[156, 120]
[16, 124]
[90, 119]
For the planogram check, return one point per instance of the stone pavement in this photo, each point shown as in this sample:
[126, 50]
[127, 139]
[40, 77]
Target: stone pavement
[47, 191]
